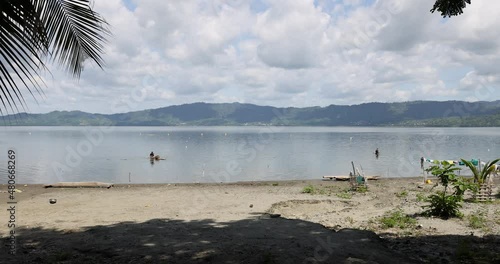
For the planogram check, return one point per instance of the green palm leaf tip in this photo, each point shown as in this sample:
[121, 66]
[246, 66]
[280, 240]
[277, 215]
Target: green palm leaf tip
[68, 31]
[480, 176]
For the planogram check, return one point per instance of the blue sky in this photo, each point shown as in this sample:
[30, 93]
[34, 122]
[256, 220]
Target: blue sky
[282, 53]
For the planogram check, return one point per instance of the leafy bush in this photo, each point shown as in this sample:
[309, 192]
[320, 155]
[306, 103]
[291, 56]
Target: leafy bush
[446, 205]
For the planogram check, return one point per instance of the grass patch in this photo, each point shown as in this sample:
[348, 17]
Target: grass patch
[309, 189]
[344, 195]
[477, 220]
[397, 219]
[421, 197]
[402, 194]
[361, 189]
[275, 184]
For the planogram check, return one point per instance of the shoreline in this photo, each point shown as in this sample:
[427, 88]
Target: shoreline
[251, 182]
[243, 221]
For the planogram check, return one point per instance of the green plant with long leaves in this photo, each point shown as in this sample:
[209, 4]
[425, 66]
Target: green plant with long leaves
[480, 176]
[66, 31]
[444, 204]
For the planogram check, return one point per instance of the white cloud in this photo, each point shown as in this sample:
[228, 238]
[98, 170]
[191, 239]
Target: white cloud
[291, 33]
[284, 53]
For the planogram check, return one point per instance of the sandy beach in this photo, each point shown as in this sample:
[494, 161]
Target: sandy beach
[248, 222]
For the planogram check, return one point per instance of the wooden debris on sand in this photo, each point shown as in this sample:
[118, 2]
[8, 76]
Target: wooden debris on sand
[485, 192]
[79, 185]
[346, 178]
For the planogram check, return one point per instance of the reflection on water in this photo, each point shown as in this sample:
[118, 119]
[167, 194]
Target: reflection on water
[222, 154]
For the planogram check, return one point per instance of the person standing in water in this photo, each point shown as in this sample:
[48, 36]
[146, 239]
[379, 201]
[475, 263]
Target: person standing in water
[376, 153]
[151, 155]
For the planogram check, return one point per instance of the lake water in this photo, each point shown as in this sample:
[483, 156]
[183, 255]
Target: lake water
[230, 154]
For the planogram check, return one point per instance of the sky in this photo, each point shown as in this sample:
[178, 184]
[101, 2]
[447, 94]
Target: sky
[282, 53]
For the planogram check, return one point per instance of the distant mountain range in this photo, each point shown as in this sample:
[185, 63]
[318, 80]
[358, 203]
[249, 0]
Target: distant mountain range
[416, 113]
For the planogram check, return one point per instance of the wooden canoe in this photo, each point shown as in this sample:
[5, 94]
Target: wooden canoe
[79, 185]
[346, 178]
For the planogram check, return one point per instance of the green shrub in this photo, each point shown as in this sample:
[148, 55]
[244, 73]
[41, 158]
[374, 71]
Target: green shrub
[308, 189]
[397, 219]
[442, 204]
[477, 220]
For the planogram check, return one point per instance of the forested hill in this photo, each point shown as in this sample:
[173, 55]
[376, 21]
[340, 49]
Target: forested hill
[417, 113]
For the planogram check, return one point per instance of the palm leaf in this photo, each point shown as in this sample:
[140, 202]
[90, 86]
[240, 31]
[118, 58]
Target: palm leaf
[20, 46]
[480, 176]
[488, 169]
[30, 30]
[473, 168]
[74, 32]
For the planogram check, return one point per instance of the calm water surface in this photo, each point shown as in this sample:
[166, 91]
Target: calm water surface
[229, 154]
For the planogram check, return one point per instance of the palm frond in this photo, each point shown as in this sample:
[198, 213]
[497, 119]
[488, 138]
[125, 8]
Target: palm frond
[473, 169]
[488, 169]
[481, 175]
[74, 32]
[68, 31]
[20, 50]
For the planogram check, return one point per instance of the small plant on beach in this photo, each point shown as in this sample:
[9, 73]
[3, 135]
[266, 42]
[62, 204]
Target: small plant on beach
[402, 194]
[308, 189]
[397, 219]
[421, 197]
[442, 203]
[362, 189]
[477, 220]
[344, 195]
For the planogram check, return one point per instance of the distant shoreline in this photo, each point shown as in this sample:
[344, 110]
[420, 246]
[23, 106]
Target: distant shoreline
[402, 114]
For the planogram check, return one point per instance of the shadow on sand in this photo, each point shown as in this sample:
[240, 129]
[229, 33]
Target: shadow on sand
[255, 240]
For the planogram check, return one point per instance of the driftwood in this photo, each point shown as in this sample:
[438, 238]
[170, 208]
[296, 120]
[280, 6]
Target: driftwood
[79, 185]
[346, 178]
